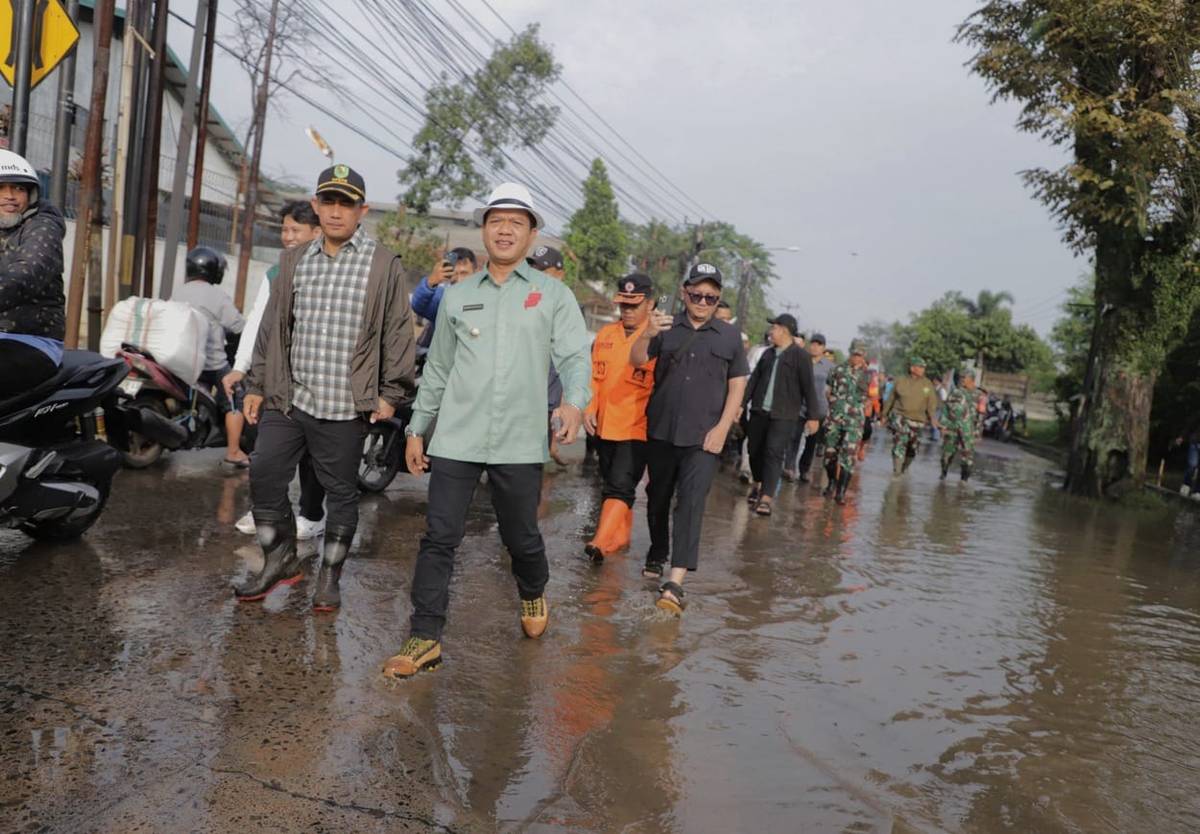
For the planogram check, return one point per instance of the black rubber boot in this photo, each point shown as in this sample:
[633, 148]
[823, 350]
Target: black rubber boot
[966, 472]
[945, 469]
[337, 546]
[908, 459]
[281, 566]
[842, 484]
[831, 471]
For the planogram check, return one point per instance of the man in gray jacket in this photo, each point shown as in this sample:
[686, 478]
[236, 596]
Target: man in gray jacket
[335, 346]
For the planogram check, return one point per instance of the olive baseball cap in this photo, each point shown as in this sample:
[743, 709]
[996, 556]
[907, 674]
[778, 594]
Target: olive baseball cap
[342, 179]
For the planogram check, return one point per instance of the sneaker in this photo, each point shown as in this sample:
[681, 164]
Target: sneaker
[535, 616]
[1195, 496]
[245, 524]
[1185, 490]
[306, 529]
[416, 654]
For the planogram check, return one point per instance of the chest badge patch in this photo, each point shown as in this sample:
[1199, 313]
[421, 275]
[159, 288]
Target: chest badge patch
[533, 299]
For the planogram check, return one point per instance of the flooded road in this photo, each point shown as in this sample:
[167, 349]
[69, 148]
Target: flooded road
[994, 657]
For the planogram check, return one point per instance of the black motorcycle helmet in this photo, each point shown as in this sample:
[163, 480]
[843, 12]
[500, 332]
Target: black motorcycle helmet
[206, 263]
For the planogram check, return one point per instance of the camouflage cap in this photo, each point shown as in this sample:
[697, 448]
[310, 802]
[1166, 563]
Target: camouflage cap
[858, 347]
[966, 372]
[916, 362]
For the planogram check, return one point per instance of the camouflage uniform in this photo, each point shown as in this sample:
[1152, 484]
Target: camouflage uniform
[847, 414]
[961, 420]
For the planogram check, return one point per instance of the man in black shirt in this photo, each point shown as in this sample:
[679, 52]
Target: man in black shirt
[780, 390]
[699, 381]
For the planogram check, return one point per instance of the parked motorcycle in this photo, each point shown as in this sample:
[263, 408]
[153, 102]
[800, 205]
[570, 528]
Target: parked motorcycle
[158, 411]
[1001, 419]
[383, 451]
[56, 470]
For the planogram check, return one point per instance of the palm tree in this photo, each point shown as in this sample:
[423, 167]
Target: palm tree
[986, 305]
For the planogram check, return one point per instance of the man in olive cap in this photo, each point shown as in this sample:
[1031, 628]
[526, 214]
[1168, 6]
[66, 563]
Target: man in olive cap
[912, 404]
[962, 425]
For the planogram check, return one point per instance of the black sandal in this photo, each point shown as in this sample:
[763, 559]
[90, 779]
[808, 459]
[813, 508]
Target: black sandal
[675, 606]
[653, 570]
[754, 495]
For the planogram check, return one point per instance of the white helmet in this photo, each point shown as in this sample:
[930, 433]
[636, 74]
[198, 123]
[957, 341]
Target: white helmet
[16, 168]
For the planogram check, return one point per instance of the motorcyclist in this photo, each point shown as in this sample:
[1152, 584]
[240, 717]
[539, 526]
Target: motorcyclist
[32, 315]
[205, 270]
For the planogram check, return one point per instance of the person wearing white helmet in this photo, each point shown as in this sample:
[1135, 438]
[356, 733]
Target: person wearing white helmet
[485, 384]
[32, 314]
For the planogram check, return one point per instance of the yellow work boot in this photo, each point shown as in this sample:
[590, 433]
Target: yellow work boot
[535, 616]
[416, 654]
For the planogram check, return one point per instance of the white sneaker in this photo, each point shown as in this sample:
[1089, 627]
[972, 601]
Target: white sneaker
[245, 524]
[306, 529]
[1195, 496]
[1185, 490]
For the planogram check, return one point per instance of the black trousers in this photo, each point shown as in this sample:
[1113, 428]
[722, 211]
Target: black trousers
[335, 447]
[22, 368]
[686, 474]
[516, 489]
[810, 448]
[768, 441]
[312, 494]
[622, 464]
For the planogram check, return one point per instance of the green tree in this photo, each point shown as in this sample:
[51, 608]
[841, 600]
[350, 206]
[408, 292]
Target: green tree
[1070, 337]
[497, 107]
[986, 304]
[412, 238]
[1114, 82]
[664, 253]
[595, 234]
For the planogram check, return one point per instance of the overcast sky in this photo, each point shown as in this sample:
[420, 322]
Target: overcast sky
[851, 130]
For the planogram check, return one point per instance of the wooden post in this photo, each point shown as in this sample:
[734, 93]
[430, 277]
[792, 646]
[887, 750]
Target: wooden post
[143, 250]
[116, 220]
[193, 229]
[92, 161]
[260, 120]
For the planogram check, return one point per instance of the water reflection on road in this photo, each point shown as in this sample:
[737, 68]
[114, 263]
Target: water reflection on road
[993, 657]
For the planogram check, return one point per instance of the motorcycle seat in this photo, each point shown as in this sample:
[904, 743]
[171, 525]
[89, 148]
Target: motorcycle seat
[73, 362]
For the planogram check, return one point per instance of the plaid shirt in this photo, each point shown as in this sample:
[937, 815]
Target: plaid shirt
[328, 299]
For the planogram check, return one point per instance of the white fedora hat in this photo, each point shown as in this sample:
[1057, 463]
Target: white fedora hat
[510, 195]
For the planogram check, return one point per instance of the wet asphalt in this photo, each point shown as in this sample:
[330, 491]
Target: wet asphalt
[988, 657]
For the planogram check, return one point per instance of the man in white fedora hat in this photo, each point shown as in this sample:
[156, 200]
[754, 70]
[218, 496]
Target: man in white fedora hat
[485, 383]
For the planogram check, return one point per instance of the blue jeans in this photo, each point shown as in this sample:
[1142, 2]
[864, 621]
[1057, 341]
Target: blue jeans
[1193, 462]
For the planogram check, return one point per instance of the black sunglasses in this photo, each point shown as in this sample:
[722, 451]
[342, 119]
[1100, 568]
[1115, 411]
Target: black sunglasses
[703, 298]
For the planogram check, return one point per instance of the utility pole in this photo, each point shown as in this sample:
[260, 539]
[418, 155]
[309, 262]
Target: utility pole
[260, 121]
[64, 127]
[135, 131]
[183, 149]
[210, 33]
[18, 127]
[746, 272]
[89, 192]
[144, 242]
[124, 114]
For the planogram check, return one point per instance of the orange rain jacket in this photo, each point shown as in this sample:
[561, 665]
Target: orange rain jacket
[620, 391]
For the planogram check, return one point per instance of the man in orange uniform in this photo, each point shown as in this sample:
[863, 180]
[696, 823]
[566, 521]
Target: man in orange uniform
[617, 415]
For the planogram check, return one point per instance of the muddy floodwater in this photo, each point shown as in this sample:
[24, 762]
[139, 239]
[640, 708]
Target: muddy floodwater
[994, 657]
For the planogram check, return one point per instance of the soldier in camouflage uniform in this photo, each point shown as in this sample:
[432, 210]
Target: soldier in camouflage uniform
[912, 404]
[848, 384]
[961, 425]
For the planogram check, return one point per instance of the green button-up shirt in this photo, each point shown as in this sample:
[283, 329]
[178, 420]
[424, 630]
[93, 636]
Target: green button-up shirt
[485, 374]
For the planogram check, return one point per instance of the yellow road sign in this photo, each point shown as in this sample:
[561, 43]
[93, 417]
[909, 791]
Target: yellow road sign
[54, 34]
